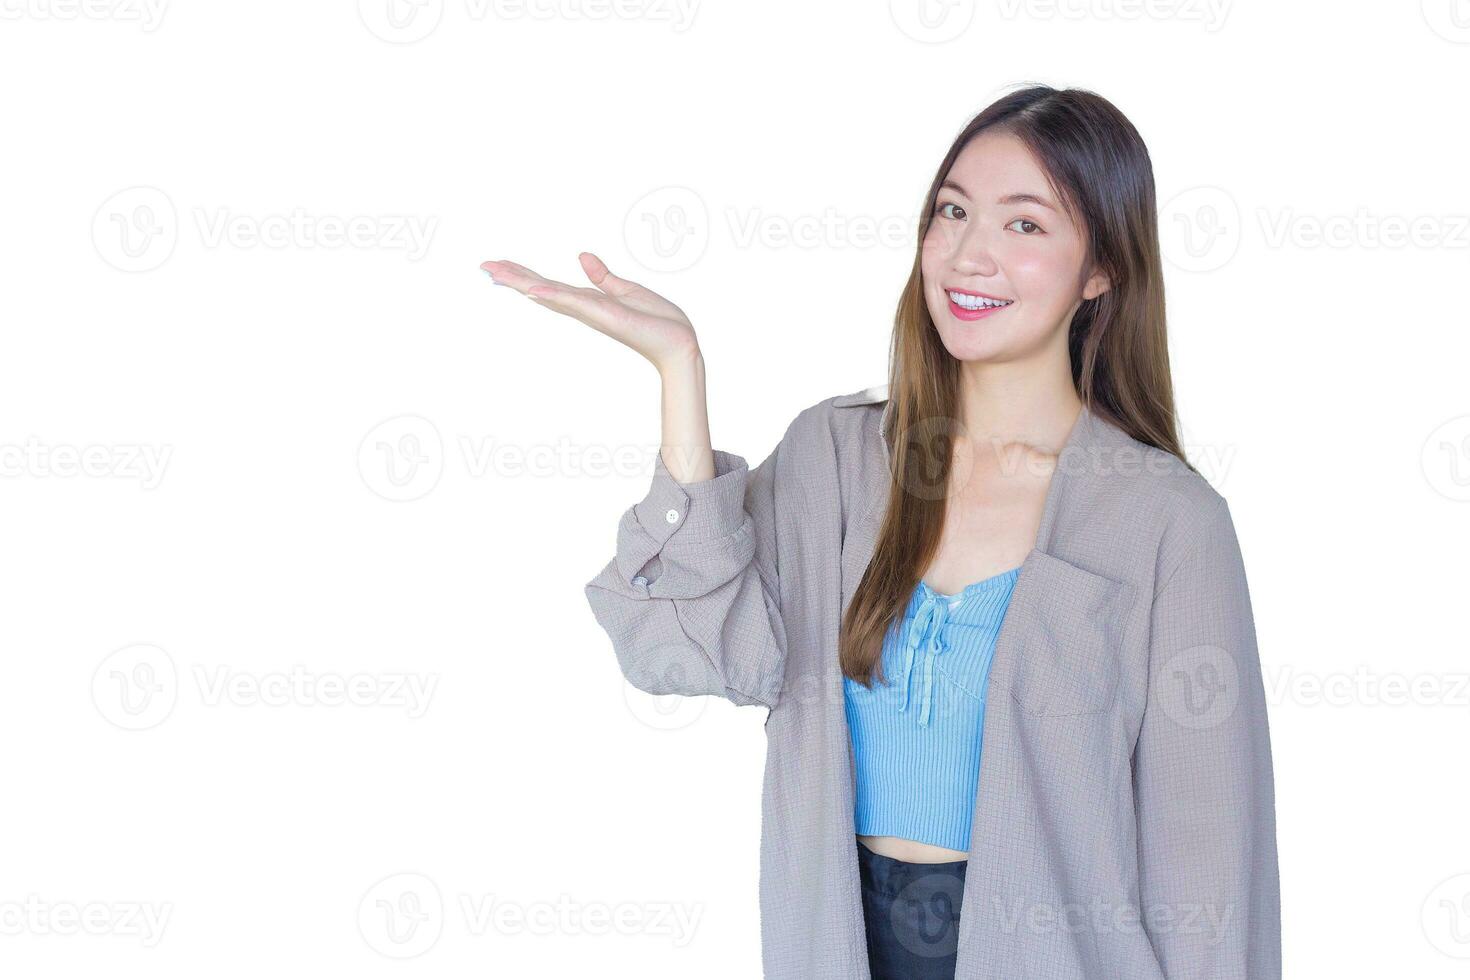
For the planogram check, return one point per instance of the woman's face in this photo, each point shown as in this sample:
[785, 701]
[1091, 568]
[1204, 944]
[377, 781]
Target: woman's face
[999, 232]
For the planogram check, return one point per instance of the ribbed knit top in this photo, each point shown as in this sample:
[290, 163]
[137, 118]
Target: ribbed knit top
[916, 738]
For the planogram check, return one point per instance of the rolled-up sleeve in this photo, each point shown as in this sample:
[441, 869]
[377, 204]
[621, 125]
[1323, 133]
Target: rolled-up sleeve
[1202, 772]
[691, 598]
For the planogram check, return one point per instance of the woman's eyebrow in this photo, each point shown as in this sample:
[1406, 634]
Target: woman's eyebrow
[1027, 199]
[1017, 198]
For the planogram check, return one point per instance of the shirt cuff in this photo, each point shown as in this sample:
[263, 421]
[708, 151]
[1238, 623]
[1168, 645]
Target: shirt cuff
[696, 512]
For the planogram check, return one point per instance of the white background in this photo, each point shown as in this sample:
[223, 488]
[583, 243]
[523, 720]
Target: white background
[238, 451]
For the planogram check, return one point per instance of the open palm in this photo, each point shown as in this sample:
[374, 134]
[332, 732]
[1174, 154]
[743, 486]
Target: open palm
[622, 309]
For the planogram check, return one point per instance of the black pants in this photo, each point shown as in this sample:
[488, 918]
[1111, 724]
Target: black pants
[912, 915]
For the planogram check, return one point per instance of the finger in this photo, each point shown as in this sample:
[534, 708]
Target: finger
[603, 279]
[508, 265]
[505, 270]
[633, 295]
[516, 275]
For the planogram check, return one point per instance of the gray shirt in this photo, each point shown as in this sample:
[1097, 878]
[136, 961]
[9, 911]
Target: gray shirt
[1124, 825]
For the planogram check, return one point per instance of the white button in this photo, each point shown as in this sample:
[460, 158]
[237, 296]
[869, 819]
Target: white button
[639, 580]
[672, 517]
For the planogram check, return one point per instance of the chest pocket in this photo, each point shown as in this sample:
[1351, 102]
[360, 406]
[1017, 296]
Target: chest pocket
[1065, 630]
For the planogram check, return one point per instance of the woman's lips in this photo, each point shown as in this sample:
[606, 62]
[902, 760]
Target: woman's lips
[961, 313]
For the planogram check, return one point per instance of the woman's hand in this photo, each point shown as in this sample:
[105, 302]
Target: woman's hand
[622, 309]
[655, 328]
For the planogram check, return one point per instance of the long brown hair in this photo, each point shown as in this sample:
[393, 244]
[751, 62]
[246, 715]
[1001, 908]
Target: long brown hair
[1098, 166]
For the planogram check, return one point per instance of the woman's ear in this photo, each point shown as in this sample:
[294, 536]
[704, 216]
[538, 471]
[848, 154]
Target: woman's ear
[1096, 286]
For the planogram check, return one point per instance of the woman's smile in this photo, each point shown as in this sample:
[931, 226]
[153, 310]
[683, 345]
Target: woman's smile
[964, 305]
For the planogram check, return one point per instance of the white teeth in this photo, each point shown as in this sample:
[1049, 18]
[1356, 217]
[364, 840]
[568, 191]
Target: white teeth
[976, 302]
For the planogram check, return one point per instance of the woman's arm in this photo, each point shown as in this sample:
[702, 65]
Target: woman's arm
[691, 598]
[1209, 892]
[692, 605]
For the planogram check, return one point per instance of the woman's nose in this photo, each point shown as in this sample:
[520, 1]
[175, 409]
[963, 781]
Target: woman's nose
[974, 253]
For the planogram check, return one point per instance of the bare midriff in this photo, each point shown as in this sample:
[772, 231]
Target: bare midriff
[916, 852]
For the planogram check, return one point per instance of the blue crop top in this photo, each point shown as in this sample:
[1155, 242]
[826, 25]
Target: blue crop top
[916, 739]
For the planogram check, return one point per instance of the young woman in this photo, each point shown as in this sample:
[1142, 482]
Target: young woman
[1017, 726]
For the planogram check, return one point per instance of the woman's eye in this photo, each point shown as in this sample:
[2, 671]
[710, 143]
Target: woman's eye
[1022, 221]
[958, 211]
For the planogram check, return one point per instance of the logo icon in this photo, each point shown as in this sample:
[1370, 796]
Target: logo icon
[401, 459]
[400, 21]
[1199, 229]
[136, 229]
[932, 21]
[1199, 687]
[401, 916]
[667, 230]
[136, 687]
